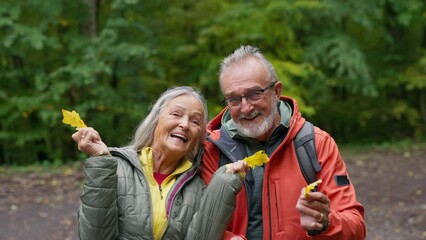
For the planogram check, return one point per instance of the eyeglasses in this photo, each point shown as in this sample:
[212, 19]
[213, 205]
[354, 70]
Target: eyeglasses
[251, 97]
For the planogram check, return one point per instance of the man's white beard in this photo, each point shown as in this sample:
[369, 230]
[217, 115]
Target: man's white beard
[254, 130]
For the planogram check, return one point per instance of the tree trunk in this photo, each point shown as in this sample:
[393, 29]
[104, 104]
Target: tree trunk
[90, 26]
[423, 104]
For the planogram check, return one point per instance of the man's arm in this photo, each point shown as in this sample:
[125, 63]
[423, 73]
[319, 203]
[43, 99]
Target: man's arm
[344, 217]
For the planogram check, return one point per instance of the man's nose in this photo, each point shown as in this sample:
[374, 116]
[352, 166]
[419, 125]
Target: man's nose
[246, 106]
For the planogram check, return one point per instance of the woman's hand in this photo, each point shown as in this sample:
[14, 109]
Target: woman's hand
[89, 142]
[240, 167]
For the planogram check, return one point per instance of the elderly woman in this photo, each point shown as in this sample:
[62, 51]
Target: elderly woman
[151, 189]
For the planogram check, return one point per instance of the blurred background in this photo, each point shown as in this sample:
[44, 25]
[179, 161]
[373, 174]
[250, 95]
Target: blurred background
[357, 69]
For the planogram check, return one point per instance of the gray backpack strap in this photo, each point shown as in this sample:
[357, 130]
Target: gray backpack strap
[304, 143]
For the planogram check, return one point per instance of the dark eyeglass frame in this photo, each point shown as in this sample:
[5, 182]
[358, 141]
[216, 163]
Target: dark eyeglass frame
[252, 96]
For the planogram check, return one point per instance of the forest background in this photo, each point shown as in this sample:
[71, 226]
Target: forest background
[357, 68]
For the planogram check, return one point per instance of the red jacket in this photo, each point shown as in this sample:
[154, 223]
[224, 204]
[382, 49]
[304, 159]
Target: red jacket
[283, 182]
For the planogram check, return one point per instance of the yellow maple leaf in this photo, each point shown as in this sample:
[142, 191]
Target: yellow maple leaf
[257, 159]
[73, 119]
[311, 187]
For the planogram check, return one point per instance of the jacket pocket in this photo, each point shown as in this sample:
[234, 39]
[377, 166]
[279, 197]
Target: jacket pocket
[277, 218]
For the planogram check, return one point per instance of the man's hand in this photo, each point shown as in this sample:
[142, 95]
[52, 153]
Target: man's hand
[313, 209]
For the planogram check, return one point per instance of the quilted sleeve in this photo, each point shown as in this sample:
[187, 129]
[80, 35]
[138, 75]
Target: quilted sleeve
[216, 207]
[97, 214]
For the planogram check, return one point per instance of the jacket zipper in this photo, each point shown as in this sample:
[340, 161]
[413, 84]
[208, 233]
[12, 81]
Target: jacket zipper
[269, 209]
[268, 180]
[161, 191]
[190, 175]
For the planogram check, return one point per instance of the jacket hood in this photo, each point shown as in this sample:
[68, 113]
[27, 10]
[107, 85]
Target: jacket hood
[295, 124]
[128, 154]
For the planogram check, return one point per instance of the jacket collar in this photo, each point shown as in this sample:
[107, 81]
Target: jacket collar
[285, 112]
[132, 157]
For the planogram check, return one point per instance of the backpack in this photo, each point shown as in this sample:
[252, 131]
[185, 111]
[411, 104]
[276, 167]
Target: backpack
[304, 144]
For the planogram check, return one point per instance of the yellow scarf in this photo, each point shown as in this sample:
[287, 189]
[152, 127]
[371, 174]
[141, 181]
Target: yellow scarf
[159, 192]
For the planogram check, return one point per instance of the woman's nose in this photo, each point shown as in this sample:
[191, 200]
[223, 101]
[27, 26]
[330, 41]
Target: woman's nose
[184, 122]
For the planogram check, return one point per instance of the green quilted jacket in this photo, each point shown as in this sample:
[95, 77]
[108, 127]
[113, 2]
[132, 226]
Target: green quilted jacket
[115, 201]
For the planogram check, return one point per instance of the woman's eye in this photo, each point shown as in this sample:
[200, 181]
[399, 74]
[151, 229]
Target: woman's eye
[196, 122]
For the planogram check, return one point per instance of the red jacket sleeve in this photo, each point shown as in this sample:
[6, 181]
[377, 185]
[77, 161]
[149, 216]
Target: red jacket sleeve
[346, 219]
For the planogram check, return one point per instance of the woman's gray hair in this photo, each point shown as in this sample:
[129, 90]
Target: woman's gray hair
[243, 53]
[144, 134]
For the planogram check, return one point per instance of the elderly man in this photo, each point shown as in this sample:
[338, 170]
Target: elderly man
[272, 204]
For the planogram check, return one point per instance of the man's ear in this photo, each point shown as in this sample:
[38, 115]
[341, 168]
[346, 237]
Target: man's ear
[278, 89]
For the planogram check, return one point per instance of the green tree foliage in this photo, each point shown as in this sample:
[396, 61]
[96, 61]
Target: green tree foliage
[378, 103]
[357, 68]
[50, 61]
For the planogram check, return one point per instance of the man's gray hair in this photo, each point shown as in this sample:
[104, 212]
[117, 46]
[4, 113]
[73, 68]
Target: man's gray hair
[243, 53]
[144, 134]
